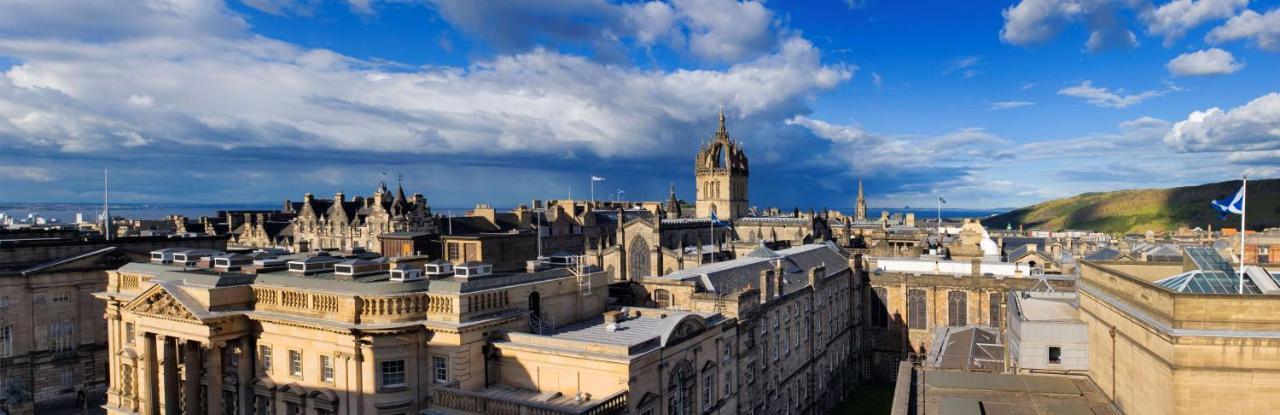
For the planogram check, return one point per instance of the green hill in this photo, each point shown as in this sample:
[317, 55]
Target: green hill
[1137, 211]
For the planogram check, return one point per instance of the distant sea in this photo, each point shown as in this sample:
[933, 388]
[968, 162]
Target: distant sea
[66, 212]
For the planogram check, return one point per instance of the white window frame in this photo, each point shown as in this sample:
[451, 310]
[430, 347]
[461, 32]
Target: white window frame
[383, 373]
[708, 389]
[326, 368]
[439, 369]
[265, 358]
[295, 363]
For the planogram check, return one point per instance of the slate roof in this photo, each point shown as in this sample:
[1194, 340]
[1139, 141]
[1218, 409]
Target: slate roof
[1104, 254]
[1014, 242]
[632, 331]
[737, 274]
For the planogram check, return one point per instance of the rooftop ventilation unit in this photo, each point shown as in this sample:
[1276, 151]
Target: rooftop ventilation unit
[438, 269]
[473, 269]
[406, 273]
[321, 262]
[360, 266]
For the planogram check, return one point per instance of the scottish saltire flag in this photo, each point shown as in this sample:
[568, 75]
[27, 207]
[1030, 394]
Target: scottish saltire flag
[597, 179]
[715, 221]
[1233, 204]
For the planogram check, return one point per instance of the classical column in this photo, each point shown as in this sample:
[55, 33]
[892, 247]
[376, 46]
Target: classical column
[170, 383]
[245, 374]
[213, 374]
[191, 380]
[149, 388]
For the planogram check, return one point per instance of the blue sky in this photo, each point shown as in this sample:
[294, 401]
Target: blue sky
[988, 103]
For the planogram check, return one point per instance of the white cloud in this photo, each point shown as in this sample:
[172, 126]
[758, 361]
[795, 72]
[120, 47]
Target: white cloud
[957, 150]
[965, 65]
[652, 21]
[1106, 98]
[26, 173]
[1205, 62]
[1263, 29]
[1035, 21]
[1005, 105]
[726, 30]
[1254, 126]
[714, 30]
[1112, 38]
[246, 92]
[1028, 85]
[1173, 19]
[876, 80]
[107, 20]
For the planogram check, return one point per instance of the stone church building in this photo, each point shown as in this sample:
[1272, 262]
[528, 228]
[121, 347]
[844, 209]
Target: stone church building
[658, 241]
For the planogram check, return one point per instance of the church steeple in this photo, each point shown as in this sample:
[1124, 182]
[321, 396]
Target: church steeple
[722, 134]
[860, 210]
[673, 204]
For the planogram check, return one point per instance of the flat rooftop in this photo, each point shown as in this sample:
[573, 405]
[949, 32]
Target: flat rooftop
[965, 393]
[1046, 307]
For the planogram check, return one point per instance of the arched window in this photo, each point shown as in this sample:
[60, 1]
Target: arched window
[680, 389]
[916, 309]
[662, 297]
[996, 299]
[637, 259]
[880, 307]
[957, 305]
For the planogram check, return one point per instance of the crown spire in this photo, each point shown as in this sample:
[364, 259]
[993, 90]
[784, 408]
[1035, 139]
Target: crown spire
[722, 134]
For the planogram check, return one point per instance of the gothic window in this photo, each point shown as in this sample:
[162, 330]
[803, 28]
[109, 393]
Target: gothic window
[662, 297]
[916, 309]
[995, 309]
[680, 390]
[880, 307]
[638, 258]
[957, 306]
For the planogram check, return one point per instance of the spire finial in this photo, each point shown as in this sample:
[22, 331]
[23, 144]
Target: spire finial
[721, 133]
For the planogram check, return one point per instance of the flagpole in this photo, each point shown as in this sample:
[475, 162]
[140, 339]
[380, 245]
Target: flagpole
[1244, 199]
[939, 218]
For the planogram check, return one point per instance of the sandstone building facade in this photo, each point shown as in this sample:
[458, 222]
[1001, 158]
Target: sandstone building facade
[906, 308]
[53, 342]
[1170, 338]
[340, 223]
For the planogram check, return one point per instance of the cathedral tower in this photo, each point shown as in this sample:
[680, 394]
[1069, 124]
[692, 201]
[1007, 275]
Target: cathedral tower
[721, 172]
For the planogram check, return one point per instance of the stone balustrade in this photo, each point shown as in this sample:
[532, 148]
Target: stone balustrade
[478, 402]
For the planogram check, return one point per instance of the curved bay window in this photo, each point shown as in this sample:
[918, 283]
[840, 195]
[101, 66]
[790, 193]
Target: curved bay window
[916, 309]
[957, 306]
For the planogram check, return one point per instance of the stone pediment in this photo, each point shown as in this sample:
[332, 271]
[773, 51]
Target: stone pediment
[157, 301]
